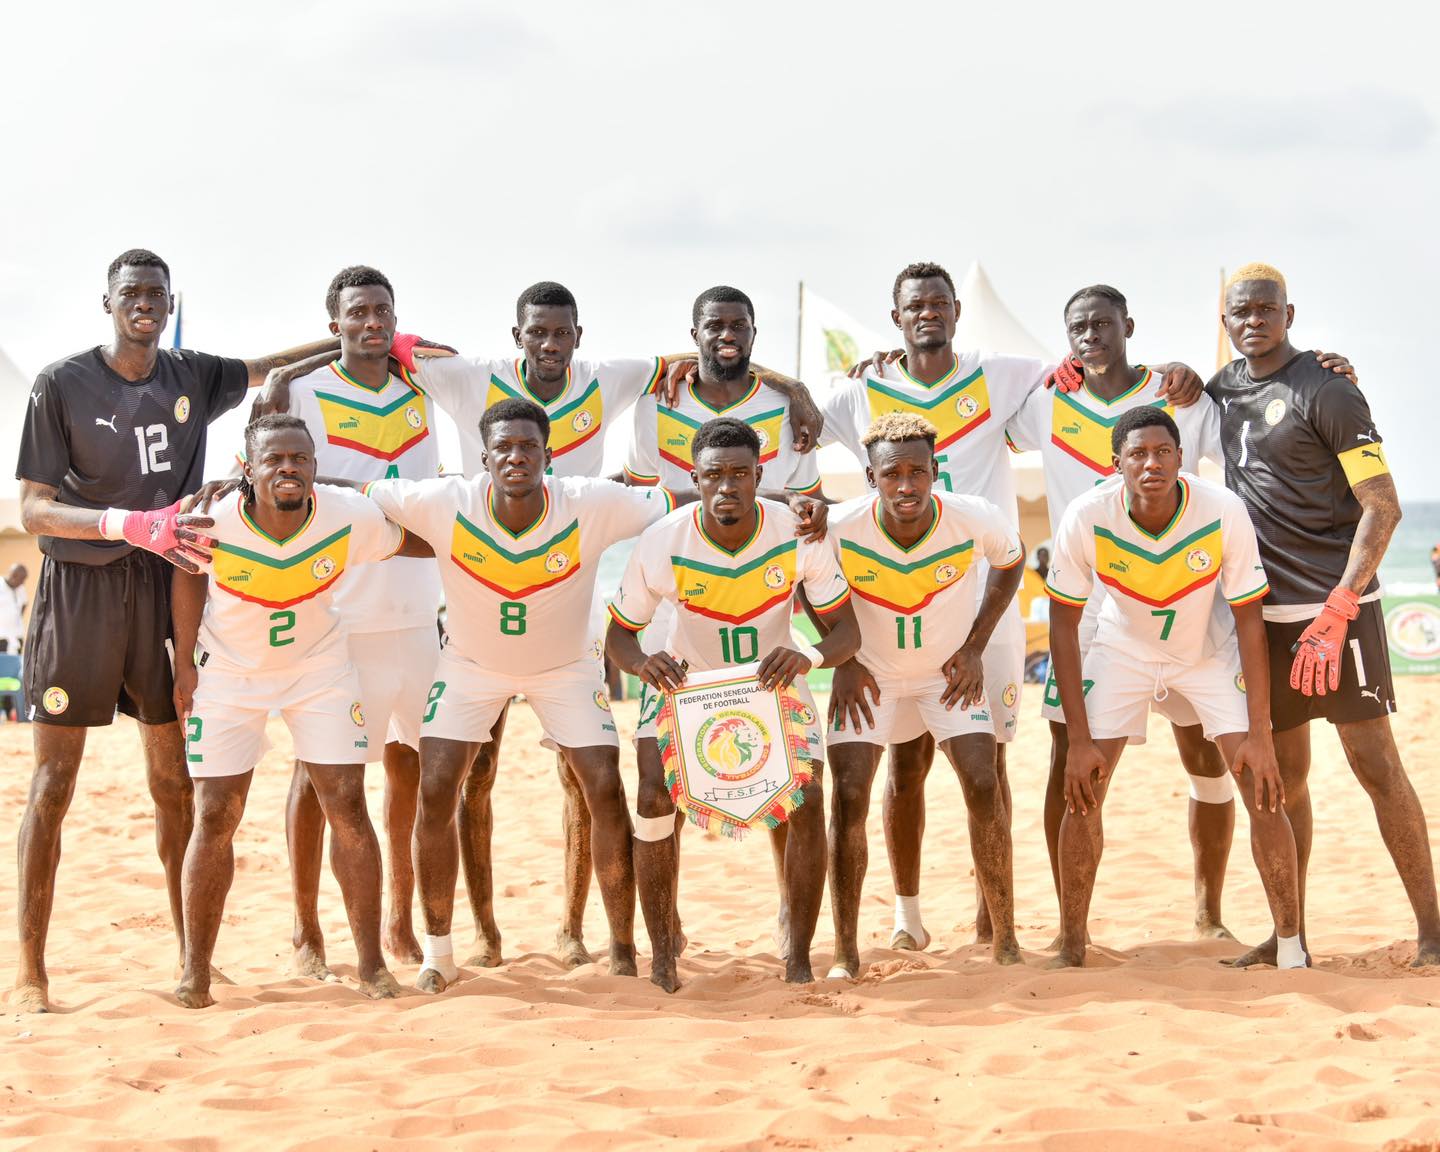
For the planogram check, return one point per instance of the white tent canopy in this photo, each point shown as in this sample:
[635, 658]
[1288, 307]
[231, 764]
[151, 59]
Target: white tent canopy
[986, 325]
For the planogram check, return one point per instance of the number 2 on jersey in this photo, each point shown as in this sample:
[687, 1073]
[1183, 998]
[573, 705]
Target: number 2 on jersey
[280, 623]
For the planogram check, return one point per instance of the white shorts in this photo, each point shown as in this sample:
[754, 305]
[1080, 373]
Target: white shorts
[1004, 664]
[396, 670]
[321, 707]
[1123, 690]
[916, 697]
[465, 700]
[651, 702]
[1180, 711]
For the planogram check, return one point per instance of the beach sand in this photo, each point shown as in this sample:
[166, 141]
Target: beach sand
[1154, 1046]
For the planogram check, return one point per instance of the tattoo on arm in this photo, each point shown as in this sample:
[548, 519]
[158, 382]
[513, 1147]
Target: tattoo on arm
[1380, 504]
[262, 367]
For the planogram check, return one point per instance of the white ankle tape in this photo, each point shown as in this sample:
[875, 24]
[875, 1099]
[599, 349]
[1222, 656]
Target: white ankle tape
[1212, 789]
[654, 828]
[439, 954]
[907, 916]
[1289, 952]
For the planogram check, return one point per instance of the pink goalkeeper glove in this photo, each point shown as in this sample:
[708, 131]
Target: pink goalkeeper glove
[1321, 646]
[402, 349]
[164, 532]
[1068, 376]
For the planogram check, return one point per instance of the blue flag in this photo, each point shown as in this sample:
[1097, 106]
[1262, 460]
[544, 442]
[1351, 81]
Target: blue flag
[179, 318]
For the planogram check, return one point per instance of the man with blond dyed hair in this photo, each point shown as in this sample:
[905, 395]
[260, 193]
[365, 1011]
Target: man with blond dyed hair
[1302, 451]
[913, 557]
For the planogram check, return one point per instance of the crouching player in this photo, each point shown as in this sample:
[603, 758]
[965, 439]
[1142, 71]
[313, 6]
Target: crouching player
[909, 556]
[1163, 545]
[730, 567]
[258, 633]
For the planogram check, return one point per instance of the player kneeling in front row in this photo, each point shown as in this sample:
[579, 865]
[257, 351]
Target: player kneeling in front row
[520, 555]
[1162, 543]
[730, 567]
[269, 637]
[910, 556]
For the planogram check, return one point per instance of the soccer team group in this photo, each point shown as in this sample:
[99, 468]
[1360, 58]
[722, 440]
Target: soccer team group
[309, 584]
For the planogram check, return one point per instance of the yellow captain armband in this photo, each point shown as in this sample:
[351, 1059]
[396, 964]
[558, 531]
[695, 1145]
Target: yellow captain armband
[1363, 462]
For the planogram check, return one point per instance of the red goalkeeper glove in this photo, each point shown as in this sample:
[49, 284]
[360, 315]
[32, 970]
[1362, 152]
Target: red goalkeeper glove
[1068, 376]
[402, 350]
[1321, 646]
[164, 532]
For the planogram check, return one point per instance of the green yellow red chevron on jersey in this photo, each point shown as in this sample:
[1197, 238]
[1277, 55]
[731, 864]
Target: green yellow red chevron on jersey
[904, 587]
[676, 430]
[1084, 432]
[573, 421]
[1160, 577]
[735, 593]
[381, 430]
[278, 583]
[506, 566]
[955, 406]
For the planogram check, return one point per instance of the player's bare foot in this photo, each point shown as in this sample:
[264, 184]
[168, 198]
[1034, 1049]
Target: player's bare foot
[571, 950]
[30, 998]
[903, 941]
[381, 986]
[1263, 953]
[1428, 954]
[308, 962]
[622, 961]
[431, 982]
[193, 994]
[1064, 959]
[797, 970]
[1007, 952]
[399, 941]
[664, 976]
[844, 967]
[1207, 929]
[486, 954]
[1059, 942]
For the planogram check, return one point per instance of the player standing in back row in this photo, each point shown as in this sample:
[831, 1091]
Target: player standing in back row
[1302, 451]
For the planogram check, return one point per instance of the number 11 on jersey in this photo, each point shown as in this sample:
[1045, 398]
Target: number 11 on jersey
[900, 631]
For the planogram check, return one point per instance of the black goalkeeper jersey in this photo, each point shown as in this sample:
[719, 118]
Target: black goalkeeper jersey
[1293, 442]
[108, 442]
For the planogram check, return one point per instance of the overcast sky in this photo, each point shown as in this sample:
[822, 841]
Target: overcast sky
[640, 152]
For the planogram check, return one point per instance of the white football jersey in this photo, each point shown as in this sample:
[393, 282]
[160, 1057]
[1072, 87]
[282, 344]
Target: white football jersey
[519, 603]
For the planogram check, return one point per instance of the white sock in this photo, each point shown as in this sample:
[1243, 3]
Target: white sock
[907, 919]
[440, 955]
[1289, 952]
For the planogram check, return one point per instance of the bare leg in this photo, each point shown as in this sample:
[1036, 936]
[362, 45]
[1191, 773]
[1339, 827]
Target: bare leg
[305, 839]
[655, 864]
[984, 931]
[209, 870]
[443, 765]
[402, 791]
[57, 762]
[853, 767]
[597, 773]
[477, 823]
[1370, 749]
[903, 816]
[976, 764]
[1082, 840]
[1272, 843]
[1212, 828]
[355, 860]
[1292, 750]
[174, 798]
[779, 836]
[579, 861]
[805, 876]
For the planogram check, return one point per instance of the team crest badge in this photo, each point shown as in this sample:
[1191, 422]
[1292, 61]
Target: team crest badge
[56, 700]
[1274, 412]
[805, 715]
[966, 407]
[182, 409]
[732, 745]
[1198, 560]
[1240, 681]
[602, 701]
[413, 417]
[582, 421]
[1010, 695]
[774, 576]
[357, 715]
[557, 562]
[323, 568]
[764, 439]
[945, 573]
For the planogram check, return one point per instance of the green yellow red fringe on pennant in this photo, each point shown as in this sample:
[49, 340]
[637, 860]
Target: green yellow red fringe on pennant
[793, 714]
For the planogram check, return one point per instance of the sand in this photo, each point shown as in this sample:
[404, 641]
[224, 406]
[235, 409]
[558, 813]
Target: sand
[1154, 1046]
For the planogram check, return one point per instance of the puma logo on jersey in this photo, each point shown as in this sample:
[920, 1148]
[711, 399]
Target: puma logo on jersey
[1365, 436]
[1373, 693]
[1372, 454]
[107, 424]
[35, 399]
[1226, 401]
